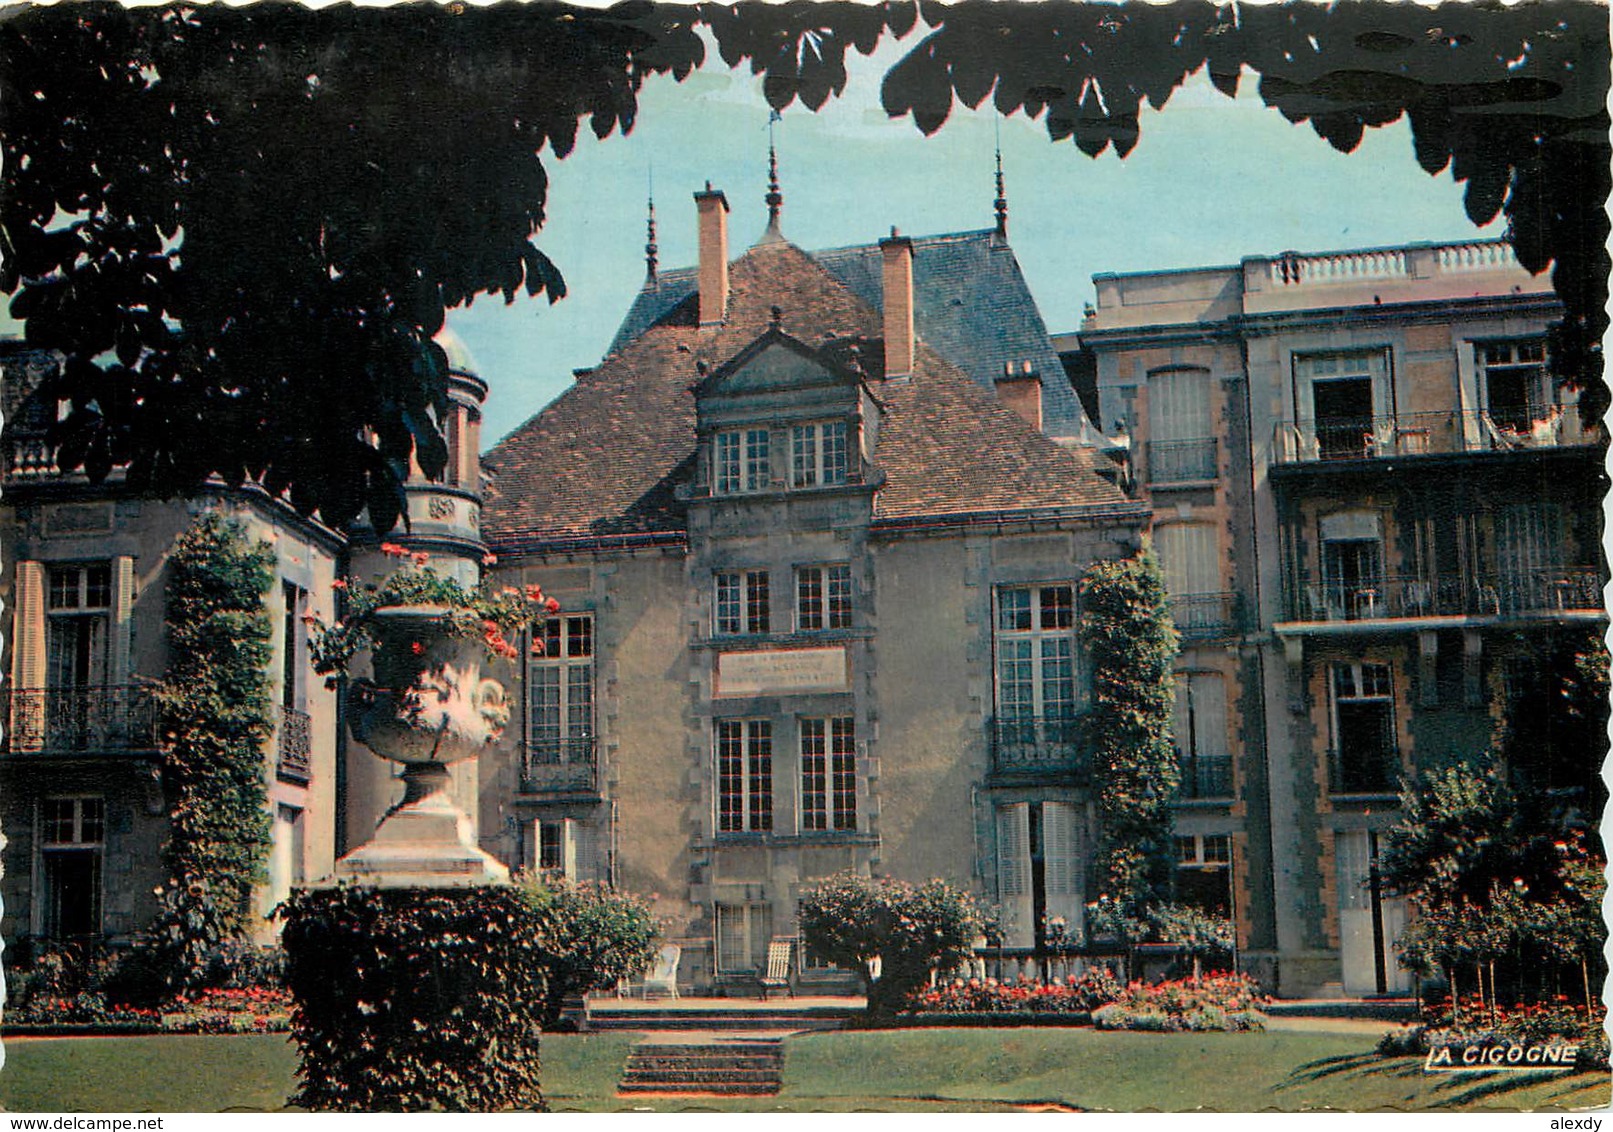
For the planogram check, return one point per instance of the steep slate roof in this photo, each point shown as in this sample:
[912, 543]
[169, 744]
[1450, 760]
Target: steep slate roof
[601, 462]
[972, 306]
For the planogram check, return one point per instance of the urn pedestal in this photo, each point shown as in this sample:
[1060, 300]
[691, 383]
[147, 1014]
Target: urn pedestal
[428, 707]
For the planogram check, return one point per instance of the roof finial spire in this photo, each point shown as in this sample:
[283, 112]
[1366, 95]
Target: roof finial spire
[775, 197]
[1001, 202]
[652, 251]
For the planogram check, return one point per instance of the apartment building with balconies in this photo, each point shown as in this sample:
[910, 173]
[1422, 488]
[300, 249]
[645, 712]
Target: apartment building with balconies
[1377, 509]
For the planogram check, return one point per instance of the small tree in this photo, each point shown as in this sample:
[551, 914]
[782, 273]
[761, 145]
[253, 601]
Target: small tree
[590, 939]
[214, 720]
[854, 921]
[1131, 646]
[1203, 938]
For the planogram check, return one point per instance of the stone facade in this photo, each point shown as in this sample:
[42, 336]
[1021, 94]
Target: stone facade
[1381, 499]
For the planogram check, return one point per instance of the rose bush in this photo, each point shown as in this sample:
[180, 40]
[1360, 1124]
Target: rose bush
[1076, 995]
[1218, 1001]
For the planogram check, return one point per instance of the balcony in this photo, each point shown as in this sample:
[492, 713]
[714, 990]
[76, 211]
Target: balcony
[1202, 616]
[294, 747]
[108, 719]
[1369, 772]
[1206, 778]
[1039, 748]
[1533, 427]
[1537, 593]
[567, 766]
[1182, 461]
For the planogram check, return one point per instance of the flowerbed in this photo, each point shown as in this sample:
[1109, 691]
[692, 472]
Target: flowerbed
[1078, 995]
[257, 1011]
[1218, 1001]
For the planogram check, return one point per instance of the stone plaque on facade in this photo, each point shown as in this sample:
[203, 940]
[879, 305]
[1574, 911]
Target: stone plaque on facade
[780, 671]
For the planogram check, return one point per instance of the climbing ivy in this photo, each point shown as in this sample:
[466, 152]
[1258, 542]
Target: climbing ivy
[215, 715]
[1131, 644]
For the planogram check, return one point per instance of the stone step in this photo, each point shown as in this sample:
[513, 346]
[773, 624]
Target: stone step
[741, 1090]
[728, 1069]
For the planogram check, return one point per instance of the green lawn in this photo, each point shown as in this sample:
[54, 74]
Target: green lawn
[904, 1070]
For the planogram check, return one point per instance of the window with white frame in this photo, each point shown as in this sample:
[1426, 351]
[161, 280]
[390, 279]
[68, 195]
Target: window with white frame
[822, 597]
[1035, 643]
[1200, 728]
[72, 842]
[1347, 393]
[1513, 381]
[742, 461]
[744, 776]
[560, 690]
[818, 454]
[1366, 755]
[828, 774]
[743, 933]
[79, 609]
[743, 603]
[1204, 872]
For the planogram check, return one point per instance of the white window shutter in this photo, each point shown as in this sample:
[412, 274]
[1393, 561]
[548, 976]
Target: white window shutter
[1063, 867]
[1014, 874]
[532, 852]
[568, 848]
[28, 657]
[122, 618]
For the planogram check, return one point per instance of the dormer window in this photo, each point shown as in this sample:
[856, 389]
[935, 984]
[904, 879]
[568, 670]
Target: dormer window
[743, 461]
[818, 454]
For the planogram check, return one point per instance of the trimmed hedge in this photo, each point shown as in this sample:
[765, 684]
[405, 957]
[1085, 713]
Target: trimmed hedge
[415, 999]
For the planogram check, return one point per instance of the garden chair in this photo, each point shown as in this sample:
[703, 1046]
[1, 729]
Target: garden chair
[663, 976]
[779, 950]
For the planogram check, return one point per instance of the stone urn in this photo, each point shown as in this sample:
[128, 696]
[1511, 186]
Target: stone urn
[427, 707]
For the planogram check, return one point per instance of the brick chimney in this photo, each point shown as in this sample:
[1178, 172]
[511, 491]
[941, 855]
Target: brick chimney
[897, 252]
[1020, 389]
[713, 255]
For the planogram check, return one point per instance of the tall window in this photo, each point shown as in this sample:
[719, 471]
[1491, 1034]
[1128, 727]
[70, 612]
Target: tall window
[1204, 872]
[1190, 558]
[560, 691]
[1036, 653]
[823, 598]
[1346, 393]
[1529, 555]
[828, 774]
[1352, 564]
[742, 461]
[1200, 727]
[79, 605]
[1515, 385]
[1181, 440]
[1366, 758]
[818, 454]
[743, 932]
[743, 603]
[1040, 870]
[72, 840]
[295, 600]
[744, 775]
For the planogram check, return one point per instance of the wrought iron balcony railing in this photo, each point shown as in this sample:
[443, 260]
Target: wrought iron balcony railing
[294, 747]
[560, 766]
[1205, 777]
[1181, 461]
[1527, 593]
[1036, 747]
[82, 720]
[1204, 615]
[1364, 772]
[1418, 434]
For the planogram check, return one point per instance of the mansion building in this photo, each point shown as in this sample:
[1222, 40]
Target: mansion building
[818, 524]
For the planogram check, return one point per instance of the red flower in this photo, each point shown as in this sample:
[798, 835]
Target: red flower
[419, 558]
[534, 593]
[552, 605]
[393, 550]
[417, 648]
[489, 559]
[339, 584]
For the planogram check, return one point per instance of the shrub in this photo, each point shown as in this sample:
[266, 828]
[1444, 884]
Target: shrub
[591, 937]
[851, 920]
[411, 999]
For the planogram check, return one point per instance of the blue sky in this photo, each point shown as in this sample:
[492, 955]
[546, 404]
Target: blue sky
[1211, 180]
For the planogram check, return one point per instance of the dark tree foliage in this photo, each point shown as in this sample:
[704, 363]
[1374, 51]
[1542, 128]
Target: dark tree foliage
[414, 999]
[242, 226]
